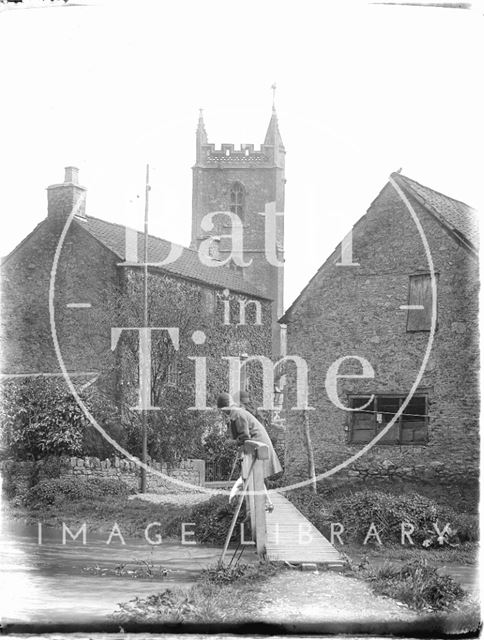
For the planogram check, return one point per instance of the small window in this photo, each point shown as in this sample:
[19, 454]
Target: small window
[237, 199]
[420, 297]
[410, 428]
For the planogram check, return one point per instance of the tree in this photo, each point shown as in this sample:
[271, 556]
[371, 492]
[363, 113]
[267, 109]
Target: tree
[39, 418]
[174, 431]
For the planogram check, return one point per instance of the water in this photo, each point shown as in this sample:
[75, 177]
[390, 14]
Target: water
[73, 582]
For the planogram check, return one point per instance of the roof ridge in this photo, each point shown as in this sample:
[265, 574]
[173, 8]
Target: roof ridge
[123, 226]
[400, 175]
[186, 265]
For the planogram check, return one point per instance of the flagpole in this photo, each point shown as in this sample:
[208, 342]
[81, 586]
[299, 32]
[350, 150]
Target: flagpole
[144, 453]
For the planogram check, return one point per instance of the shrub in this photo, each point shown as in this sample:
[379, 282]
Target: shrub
[358, 510]
[51, 467]
[417, 585]
[467, 527]
[16, 480]
[56, 490]
[39, 418]
[171, 605]
[219, 450]
[212, 520]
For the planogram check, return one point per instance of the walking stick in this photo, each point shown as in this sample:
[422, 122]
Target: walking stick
[236, 514]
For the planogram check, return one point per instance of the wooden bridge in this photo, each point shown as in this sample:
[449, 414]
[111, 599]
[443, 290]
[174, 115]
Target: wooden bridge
[283, 535]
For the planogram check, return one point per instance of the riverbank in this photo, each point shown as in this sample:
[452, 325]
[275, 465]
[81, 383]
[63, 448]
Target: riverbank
[293, 601]
[55, 581]
[130, 513]
[163, 515]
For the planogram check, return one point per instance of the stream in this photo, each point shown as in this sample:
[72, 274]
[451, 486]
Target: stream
[76, 582]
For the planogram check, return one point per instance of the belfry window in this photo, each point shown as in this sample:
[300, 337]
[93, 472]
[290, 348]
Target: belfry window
[237, 199]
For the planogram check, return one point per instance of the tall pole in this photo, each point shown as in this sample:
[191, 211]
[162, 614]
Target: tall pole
[309, 449]
[144, 454]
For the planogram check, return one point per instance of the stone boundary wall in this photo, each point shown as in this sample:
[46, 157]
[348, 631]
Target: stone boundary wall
[436, 481]
[21, 474]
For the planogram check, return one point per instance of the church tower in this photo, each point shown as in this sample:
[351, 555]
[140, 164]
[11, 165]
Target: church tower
[246, 182]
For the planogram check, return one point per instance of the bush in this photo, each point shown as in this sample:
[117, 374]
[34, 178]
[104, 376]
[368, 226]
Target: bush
[212, 520]
[39, 418]
[358, 510]
[17, 480]
[56, 490]
[417, 585]
[51, 468]
[467, 527]
[221, 451]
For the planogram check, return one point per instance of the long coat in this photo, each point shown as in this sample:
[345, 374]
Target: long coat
[244, 426]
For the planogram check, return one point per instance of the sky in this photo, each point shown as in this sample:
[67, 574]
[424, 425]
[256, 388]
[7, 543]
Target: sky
[362, 90]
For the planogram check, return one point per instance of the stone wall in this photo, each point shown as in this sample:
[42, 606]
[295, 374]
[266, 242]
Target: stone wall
[21, 475]
[86, 273]
[356, 311]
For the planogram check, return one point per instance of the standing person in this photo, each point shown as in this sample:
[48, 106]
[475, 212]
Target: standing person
[242, 426]
[242, 398]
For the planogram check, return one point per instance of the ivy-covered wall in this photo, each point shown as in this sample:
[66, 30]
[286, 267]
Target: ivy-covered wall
[89, 273]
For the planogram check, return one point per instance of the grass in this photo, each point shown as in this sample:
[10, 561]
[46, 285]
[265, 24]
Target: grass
[132, 516]
[416, 584]
[101, 503]
[221, 595]
[466, 553]
[234, 595]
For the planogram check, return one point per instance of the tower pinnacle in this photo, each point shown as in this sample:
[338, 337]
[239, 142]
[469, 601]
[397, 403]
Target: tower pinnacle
[201, 134]
[273, 137]
[201, 125]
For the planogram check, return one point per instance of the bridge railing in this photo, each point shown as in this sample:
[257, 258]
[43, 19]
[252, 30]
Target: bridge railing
[253, 492]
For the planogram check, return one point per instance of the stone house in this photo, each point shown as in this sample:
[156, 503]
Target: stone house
[97, 262]
[375, 307]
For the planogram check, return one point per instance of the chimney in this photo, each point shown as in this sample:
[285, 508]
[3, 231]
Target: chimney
[62, 198]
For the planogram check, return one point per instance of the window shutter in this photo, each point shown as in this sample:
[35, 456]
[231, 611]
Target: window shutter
[363, 423]
[420, 294]
[414, 421]
[387, 408]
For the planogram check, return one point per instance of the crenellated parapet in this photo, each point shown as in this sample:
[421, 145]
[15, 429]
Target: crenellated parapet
[230, 156]
[271, 153]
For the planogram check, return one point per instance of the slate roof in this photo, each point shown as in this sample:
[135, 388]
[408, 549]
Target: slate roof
[188, 265]
[456, 215]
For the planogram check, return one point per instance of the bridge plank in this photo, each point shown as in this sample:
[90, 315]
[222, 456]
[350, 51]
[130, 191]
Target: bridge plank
[292, 538]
